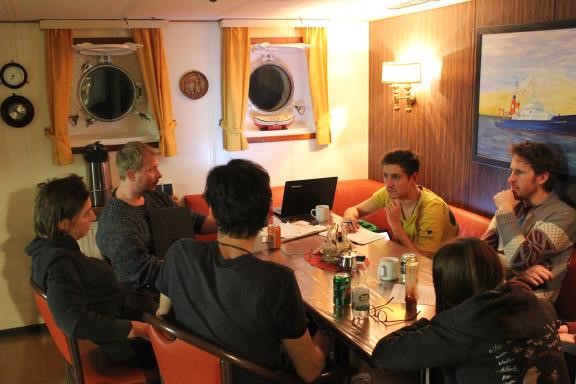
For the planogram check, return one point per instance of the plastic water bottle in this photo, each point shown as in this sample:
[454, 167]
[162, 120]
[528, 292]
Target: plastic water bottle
[360, 292]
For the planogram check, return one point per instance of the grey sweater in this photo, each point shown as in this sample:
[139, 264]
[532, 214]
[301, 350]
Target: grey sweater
[124, 238]
[542, 234]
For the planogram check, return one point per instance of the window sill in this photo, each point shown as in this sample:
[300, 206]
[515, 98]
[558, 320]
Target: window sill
[112, 141]
[295, 132]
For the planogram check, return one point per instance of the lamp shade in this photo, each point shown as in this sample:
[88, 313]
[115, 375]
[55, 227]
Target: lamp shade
[400, 73]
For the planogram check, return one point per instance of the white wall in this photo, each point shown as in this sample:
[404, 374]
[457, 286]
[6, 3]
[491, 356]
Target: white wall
[25, 160]
[25, 153]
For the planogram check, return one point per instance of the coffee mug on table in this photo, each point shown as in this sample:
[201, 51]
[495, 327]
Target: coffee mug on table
[388, 268]
[321, 213]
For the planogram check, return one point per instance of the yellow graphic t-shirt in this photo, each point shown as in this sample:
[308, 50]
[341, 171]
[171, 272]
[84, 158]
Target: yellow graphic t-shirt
[431, 222]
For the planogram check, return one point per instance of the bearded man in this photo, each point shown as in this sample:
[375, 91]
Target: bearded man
[533, 230]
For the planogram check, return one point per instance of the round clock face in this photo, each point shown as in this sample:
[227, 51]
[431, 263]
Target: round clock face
[13, 75]
[194, 84]
[17, 111]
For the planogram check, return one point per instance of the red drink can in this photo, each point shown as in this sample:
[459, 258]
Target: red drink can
[274, 236]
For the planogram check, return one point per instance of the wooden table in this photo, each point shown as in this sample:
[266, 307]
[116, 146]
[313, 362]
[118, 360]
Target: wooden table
[316, 287]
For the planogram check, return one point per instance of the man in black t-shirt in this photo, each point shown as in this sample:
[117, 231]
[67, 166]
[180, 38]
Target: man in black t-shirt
[225, 294]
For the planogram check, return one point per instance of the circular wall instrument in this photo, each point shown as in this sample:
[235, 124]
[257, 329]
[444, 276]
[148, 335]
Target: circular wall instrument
[13, 75]
[17, 111]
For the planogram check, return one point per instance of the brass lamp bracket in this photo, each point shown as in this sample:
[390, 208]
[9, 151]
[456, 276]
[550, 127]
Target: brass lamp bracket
[406, 94]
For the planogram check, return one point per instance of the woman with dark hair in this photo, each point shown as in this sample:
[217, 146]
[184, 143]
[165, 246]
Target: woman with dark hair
[484, 331]
[83, 293]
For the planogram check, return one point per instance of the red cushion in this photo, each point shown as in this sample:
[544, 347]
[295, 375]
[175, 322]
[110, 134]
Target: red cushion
[471, 224]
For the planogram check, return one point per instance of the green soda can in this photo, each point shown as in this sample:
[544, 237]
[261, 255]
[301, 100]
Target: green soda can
[341, 285]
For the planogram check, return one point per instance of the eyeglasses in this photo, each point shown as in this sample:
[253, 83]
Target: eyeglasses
[380, 314]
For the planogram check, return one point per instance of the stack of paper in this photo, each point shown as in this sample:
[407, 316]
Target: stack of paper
[298, 229]
[364, 236]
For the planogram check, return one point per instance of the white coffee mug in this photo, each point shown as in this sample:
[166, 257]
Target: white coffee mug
[388, 268]
[321, 213]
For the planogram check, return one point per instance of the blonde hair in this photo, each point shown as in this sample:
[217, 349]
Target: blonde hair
[131, 157]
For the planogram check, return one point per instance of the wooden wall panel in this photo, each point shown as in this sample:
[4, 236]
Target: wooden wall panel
[436, 127]
[440, 128]
[505, 12]
[565, 10]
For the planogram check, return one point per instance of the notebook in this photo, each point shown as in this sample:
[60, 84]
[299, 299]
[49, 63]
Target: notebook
[167, 225]
[300, 196]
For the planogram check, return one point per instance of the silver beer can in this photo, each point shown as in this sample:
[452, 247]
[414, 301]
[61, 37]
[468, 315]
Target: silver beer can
[405, 259]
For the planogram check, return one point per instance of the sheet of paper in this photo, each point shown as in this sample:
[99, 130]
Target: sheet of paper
[364, 236]
[426, 294]
[298, 229]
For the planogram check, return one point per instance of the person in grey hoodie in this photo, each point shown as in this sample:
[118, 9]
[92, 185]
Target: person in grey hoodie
[84, 296]
[484, 331]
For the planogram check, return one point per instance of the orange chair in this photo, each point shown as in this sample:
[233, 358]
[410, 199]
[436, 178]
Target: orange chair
[85, 361]
[185, 358]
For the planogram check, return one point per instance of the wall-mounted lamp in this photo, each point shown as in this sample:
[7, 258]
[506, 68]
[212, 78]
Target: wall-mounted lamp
[401, 75]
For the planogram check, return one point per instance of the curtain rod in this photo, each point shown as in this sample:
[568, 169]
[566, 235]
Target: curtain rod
[263, 23]
[103, 24]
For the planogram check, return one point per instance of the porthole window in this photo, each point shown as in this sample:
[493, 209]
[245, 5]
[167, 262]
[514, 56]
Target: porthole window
[271, 88]
[107, 92]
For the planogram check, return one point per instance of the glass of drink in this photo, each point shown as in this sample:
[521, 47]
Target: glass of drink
[411, 288]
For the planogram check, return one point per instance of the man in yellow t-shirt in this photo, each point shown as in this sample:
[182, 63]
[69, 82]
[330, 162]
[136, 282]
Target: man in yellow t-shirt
[419, 219]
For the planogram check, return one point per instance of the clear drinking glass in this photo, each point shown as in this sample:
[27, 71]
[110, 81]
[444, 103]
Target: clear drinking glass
[411, 288]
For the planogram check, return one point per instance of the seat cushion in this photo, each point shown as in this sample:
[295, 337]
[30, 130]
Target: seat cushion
[98, 369]
[471, 224]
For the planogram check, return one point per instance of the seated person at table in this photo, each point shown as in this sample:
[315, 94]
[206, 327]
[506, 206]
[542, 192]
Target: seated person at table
[419, 219]
[123, 236]
[84, 296]
[484, 331]
[222, 292]
[533, 230]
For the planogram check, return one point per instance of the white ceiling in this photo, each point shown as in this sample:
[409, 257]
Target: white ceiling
[32, 10]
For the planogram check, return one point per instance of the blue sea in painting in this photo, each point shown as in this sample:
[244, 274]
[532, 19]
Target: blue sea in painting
[493, 142]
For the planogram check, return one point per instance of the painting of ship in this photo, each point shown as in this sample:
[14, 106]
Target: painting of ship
[526, 92]
[533, 118]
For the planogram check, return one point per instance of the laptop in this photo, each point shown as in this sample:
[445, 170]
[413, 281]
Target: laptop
[169, 224]
[301, 196]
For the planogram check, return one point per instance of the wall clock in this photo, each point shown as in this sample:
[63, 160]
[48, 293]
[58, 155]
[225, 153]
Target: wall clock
[17, 111]
[194, 84]
[13, 75]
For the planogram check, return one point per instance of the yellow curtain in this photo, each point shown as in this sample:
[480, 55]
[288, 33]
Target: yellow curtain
[235, 81]
[59, 62]
[318, 74]
[155, 72]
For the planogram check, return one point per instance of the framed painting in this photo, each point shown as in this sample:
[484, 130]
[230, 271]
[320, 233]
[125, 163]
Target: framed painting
[525, 90]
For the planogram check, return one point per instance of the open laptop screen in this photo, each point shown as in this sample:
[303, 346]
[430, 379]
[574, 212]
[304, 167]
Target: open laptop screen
[300, 196]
